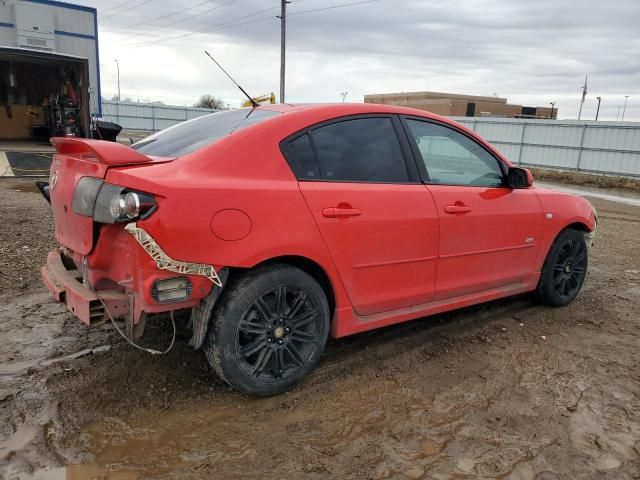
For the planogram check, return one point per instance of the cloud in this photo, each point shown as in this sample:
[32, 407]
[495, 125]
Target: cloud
[531, 52]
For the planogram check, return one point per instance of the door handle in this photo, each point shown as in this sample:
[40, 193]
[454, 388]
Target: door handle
[337, 212]
[456, 209]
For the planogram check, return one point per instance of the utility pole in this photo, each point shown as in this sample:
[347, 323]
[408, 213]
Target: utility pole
[553, 104]
[598, 110]
[584, 94]
[344, 95]
[283, 44]
[624, 109]
[118, 66]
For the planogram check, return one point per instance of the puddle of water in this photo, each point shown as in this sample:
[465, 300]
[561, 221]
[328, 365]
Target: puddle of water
[611, 194]
[203, 435]
[221, 432]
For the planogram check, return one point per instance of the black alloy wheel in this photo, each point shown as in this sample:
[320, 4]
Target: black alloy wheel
[569, 268]
[278, 333]
[565, 269]
[268, 330]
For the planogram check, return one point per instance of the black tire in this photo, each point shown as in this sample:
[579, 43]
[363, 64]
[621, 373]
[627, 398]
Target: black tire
[268, 330]
[564, 269]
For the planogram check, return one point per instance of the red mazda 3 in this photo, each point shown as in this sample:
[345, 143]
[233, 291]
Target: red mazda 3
[280, 225]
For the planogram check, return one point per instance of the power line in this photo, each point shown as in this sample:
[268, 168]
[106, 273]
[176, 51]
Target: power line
[128, 8]
[207, 30]
[333, 7]
[215, 7]
[231, 24]
[160, 27]
[175, 12]
[114, 7]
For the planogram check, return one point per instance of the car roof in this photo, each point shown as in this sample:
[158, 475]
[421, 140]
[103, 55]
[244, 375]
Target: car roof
[321, 111]
[339, 109]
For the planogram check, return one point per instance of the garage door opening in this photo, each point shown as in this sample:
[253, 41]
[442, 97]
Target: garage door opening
[42, 95]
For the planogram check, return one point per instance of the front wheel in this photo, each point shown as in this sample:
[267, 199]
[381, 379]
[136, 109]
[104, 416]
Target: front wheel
[564, 270]
[268, 330]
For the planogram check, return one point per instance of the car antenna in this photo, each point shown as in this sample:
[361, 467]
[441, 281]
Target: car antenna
[253, 102]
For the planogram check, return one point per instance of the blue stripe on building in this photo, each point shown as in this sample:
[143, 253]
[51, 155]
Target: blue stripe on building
[71, 6]
[72, 34]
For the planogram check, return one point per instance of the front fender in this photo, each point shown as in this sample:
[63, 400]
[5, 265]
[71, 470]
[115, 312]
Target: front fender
[559, 211]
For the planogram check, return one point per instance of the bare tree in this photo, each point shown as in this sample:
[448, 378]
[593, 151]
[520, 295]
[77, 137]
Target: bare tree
[209, 101]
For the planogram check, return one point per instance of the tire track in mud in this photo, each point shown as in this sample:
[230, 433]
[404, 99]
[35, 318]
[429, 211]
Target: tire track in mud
[348, 353]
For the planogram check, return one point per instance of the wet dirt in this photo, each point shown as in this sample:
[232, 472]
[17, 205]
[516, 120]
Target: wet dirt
[510, 389]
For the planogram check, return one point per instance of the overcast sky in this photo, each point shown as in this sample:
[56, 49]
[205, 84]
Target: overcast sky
[532, 52]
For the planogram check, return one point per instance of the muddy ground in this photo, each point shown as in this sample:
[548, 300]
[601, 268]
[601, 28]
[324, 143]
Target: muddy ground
[507, 390]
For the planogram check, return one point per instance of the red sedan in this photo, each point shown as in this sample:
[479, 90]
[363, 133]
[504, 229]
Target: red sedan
[279, 225]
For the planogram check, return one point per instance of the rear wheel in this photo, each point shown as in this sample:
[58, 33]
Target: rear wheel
[268, 330]
[564, 269]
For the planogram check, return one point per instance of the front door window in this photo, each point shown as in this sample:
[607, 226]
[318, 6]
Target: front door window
[451, 158]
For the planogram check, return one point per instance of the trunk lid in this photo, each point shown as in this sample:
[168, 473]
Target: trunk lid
[77, 158]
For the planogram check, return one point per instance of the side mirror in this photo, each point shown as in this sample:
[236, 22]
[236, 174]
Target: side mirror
[519, 178]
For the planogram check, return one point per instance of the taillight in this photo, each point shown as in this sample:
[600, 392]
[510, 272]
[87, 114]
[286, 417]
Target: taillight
[130, 206]
[84, 197]
[108, 203]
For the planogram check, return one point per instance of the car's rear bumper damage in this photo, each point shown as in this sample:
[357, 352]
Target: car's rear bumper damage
[127, 276]
[63, 280]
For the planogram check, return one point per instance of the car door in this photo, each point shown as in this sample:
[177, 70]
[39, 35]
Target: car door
[488, 232]
[369, 204]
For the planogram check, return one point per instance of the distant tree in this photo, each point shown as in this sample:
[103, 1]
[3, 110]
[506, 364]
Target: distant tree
[125, 99]
[209, 101]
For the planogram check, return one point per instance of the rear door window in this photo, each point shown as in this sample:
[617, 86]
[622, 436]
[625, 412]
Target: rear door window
[365, 150]
[302, 159]
[189, 136]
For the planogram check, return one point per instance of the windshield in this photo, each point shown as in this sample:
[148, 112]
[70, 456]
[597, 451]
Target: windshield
[189, 136]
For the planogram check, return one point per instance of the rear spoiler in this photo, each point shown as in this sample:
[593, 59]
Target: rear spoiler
[108, 153]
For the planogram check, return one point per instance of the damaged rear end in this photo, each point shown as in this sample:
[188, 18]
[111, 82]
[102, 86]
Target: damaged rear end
[109, 265]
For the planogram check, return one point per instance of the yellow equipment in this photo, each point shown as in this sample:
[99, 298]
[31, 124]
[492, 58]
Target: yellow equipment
[269, 98]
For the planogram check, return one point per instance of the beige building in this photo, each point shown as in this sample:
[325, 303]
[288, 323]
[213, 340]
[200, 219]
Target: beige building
[452, 104]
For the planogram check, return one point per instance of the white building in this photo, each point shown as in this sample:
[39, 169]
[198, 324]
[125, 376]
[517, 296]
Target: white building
[47, 49]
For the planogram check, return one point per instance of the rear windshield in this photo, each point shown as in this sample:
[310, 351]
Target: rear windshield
[189, 136]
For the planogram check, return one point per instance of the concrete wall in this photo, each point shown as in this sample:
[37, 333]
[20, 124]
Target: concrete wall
[601, 147]
[75, 34]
